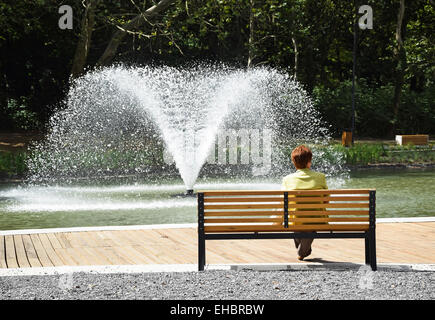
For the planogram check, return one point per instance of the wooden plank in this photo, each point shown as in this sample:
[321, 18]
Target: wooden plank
[51, 253]
[64, 242]
[242, 213]
[315, 199]
[2, 253]
[187, 250]
[78, 255]
[54, 241]
[280, 213]
[157, 244]
[208, 193]
[11, 258]
[242, 206]
[112, 256]
[291, 198]
[276, 228]
[328, 219]
[20, 252]
[105, 237]
[40, 251]
[79, 239]
[31, 252]
[93, 257]
[60, 251]
[243, 220]
[290, 205]
[327, 205]
[120, 242]
[96, 240]
[247, 199]
[330, 212]
[271, 220]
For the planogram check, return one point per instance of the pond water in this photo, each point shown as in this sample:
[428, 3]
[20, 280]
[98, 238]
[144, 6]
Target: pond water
[400, 193]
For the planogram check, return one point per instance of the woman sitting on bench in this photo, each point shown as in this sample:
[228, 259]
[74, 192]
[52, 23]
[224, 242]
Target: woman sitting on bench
[303, 179]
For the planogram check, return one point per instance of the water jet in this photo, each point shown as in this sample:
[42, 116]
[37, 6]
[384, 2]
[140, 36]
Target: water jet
[117, 120]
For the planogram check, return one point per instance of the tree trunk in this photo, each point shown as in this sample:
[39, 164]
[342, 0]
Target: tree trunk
[134, 23]
[84, 42]
[400, 56]
[251, 35]
[295, 48]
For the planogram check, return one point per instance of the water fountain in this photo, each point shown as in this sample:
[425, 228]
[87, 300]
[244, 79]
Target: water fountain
[103, 160]
[123, 115]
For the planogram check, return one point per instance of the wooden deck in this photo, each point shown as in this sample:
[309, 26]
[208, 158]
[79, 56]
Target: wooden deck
[396, 243]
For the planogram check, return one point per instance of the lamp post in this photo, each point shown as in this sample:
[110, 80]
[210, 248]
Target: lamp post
[352, 130]
[364, 22]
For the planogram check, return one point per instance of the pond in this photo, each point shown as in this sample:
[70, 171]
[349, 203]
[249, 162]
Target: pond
[400, 193]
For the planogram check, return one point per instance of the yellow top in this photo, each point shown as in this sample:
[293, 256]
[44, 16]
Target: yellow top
[304, 179]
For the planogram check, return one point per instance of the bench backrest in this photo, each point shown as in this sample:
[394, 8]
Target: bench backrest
[299, 210]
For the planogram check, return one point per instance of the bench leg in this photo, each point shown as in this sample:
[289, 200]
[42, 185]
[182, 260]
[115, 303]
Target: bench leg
[372, 236]
[201, 253]
[367, 248]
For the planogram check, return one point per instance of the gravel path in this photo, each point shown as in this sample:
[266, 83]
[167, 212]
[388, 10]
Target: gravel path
[218, 284]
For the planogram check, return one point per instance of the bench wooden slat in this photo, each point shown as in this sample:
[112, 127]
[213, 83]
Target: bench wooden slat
[208, 193]
[290, 205]
[243, 206]
[327, 205]
[241, 213]
[280, 219]
[291, 198]
[345, 198]
[331, 212]
[272, 228]
[328, 220]
[298, 213]
[259, 199]
[243, 220]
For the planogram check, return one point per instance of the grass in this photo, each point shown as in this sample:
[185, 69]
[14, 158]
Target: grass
[372, 153]
[13, 164]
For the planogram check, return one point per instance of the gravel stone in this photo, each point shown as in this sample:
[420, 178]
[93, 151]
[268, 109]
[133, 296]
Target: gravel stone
[223, 285]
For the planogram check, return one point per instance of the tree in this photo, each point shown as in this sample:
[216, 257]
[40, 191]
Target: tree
[400, 57]
[129, 26]
[85, 38]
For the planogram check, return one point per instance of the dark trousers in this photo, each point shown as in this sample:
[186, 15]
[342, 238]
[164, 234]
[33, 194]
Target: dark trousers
[304, 246]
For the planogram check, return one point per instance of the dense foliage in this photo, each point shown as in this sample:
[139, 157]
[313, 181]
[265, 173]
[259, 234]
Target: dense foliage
[310, 39]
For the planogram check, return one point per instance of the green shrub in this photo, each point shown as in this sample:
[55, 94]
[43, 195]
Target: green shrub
[21, 117]
[12, 163]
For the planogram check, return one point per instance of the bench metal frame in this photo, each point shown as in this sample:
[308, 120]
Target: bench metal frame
[369, 236]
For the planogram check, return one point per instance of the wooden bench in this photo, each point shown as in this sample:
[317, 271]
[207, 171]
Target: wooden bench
[273, 214]
[415, 139]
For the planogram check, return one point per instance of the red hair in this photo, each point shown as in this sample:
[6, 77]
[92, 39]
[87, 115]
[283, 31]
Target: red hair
[301, 156]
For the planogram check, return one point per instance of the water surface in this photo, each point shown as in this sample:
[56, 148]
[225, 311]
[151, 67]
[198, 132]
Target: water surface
[400, 193]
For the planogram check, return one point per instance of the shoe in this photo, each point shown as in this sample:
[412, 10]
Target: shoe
[302, 258]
